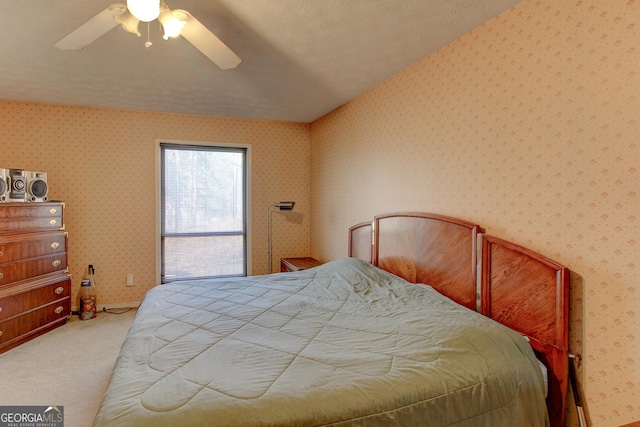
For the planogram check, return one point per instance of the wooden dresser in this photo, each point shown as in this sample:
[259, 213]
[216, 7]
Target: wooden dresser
[35, 286]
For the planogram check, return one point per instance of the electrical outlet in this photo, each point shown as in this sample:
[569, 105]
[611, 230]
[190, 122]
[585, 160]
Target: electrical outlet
[130, 279]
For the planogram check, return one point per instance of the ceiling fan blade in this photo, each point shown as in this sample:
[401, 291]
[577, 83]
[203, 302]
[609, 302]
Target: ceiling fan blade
[91, 30]
[206, 42]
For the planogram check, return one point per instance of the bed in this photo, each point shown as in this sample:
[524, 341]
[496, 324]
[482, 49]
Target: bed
[428, 321]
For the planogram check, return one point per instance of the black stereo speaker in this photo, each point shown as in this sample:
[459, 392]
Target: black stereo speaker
[19, 185]
[4, 185]
[37, 186]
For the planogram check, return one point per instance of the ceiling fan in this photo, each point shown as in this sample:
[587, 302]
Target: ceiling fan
[175, 22]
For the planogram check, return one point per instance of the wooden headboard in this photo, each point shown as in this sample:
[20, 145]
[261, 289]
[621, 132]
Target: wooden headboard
[506, 282]
[428, 248]
[360, 242]
[530, 293]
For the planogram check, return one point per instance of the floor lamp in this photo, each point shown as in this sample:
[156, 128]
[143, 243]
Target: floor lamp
[283, 206]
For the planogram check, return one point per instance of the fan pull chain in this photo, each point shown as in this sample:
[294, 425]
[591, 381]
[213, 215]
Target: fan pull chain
[148, 43]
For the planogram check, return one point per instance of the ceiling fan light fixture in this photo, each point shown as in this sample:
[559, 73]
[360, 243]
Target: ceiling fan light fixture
[144, 10]
[170, 22]
[130, 15]
[129, 22]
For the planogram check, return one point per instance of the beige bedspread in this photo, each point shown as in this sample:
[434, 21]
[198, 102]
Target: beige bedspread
[340, 344]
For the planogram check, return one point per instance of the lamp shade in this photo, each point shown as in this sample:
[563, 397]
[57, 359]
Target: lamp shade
[285, 206]
[144, 10]
[171, 24]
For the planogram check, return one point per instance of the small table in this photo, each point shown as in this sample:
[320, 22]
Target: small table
[297, 264]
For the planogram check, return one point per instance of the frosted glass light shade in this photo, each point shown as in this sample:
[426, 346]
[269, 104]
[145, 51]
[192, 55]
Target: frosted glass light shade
[144, 10]
[171, 23]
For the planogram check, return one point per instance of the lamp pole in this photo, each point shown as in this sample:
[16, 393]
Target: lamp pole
[283, 206]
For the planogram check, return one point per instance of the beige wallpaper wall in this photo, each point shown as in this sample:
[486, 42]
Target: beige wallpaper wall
[528, 126]
[101, 163]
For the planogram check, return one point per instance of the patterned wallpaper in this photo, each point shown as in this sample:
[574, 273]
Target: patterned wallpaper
[102, 164]
[528, 126]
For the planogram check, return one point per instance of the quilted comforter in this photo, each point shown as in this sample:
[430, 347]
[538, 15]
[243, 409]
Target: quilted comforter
[340, 344]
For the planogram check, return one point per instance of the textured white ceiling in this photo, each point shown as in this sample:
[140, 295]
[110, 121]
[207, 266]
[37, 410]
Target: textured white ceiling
[300, 58]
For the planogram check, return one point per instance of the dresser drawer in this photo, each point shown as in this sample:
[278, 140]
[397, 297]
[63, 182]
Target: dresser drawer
[28, 224]
[34, 267]
[31, 245]
[23, 301]
[30, 210]
[18, 217]
[32, 320]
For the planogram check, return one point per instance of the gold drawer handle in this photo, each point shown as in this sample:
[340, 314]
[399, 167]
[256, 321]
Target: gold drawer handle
[0, 333]
[53, 211]
[53, 222]
[59, 309]
[55, 245]
[0, 253]
[1, 275]
[56, 263]
[59, 290]
[0, 309]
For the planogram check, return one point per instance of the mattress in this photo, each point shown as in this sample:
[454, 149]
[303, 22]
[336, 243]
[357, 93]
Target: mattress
[344, 343]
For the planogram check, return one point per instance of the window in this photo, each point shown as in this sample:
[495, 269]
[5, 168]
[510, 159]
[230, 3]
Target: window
[203, 218]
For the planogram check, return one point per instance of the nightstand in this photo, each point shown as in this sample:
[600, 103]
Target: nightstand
[296, 264]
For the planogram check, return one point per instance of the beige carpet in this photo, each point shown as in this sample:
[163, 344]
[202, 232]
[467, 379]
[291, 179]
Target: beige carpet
[69, 366]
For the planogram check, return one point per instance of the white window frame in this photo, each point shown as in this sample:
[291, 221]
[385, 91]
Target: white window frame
[158, 150]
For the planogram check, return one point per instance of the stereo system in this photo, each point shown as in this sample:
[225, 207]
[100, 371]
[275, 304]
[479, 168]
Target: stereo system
[18, 185]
